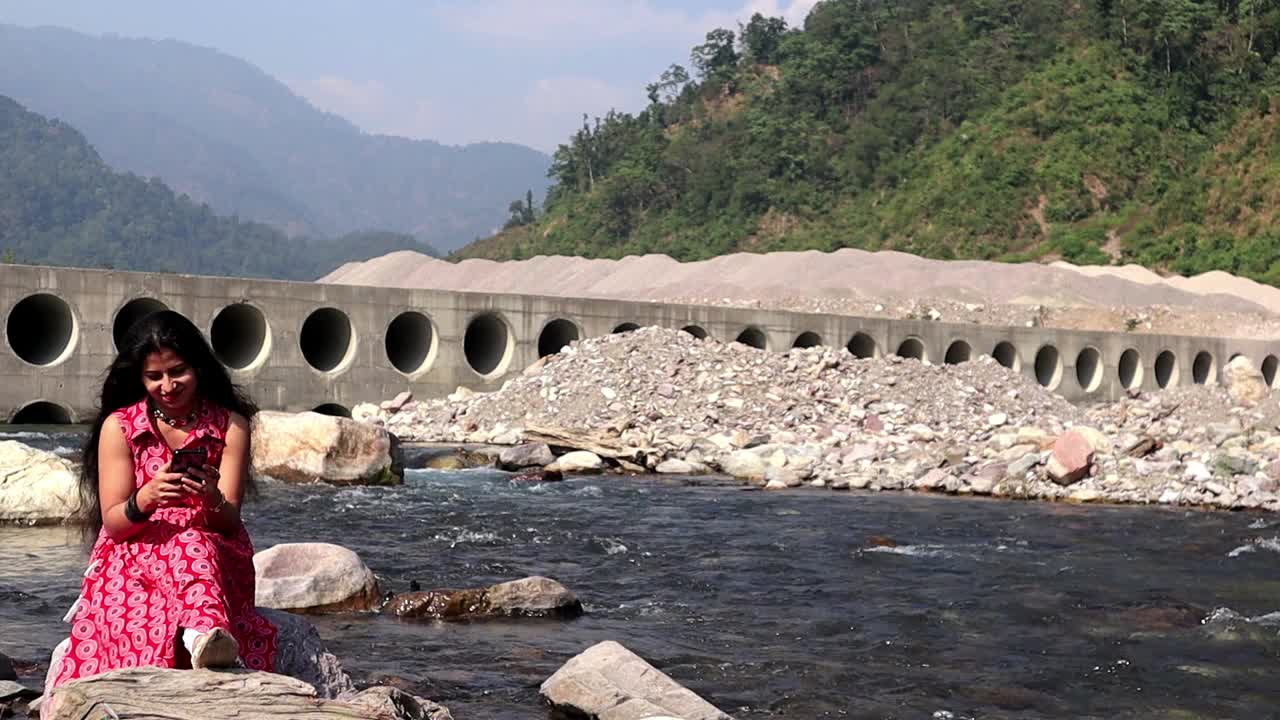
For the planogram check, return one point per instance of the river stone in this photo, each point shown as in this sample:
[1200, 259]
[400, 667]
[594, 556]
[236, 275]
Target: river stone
[309, 447]
[743, 465]
[578, 461]
[527, 597]
[609, 682]
[527, 455]
[1244, 383]
[674, 466]
[36, 487]
[300, 654]
[396, 703]
[533, 597]
[314, 578]
[1071, 459]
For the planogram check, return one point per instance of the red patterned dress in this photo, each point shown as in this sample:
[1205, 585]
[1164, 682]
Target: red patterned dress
[174, 574]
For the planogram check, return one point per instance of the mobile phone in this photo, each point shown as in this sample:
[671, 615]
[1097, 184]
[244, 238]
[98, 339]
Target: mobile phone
[186, 458]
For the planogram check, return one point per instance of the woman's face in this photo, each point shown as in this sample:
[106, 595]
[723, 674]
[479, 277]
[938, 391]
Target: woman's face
[169, 380]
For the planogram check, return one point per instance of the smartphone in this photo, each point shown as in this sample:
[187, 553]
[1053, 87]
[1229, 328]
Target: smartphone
[186, 458]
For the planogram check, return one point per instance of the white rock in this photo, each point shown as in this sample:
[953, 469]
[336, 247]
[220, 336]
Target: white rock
[997, 420]
[36, 487]
[578, 461]
[314, 577]
[609, 682]
[743, 465]
[309, 447]
[1197, 471]
[674, 466]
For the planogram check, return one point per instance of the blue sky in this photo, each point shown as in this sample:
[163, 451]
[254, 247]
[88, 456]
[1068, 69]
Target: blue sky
[449, 70]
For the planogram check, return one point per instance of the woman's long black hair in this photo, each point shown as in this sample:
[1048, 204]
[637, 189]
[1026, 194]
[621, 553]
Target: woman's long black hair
[164, 330]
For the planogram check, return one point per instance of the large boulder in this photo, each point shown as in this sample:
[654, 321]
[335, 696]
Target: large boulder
[609, 682]
[1072, 458]
[314, 578]
[527, 455]
[1244, 383]
[149, 692]
[300, 655]
[310, 447]
[36, 487]
[578, 461]
[528, 597]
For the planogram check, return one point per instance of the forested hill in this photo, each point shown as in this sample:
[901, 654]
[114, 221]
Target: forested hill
[61, 205]
[216, 128]
[1100, 130]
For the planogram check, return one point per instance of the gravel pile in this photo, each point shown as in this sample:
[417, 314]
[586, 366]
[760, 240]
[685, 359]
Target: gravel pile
[660, 400]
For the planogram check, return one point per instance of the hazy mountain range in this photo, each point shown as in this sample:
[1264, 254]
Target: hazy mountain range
[224, 132]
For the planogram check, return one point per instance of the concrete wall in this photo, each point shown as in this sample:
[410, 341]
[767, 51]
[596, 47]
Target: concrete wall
[63, 320]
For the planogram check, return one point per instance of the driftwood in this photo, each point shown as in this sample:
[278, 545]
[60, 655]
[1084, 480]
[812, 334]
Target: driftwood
[162, 694]
[596, 442]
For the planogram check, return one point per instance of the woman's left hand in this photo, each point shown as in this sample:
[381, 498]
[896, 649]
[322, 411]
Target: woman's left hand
[202, 482]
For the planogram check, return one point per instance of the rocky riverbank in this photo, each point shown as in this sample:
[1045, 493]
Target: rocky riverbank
[660, 400]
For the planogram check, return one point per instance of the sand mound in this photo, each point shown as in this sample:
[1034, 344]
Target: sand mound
[850, 280]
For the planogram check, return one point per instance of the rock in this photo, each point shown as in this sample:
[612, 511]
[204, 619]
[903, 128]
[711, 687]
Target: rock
[674, 467]
[528, 597]
[578, 461]
[462, 393]
[997, 420]
[314, 578]
[309, 447]
[396, 703]
[933, 480]
[1197, 471]
[1019, 468]
[301, 656]
[6, 668]
[366, 413]
[788, 476]
[1071, 459]
[395, 404]
[533, 597]
[743, 465]
[539, 475]
[609, 682]
[527, 455]
[445, 462]
[1244, 383]
[775, 485]
[36, 487]
[137, 693]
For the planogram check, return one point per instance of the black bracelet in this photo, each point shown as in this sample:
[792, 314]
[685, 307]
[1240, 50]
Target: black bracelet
[134, 513]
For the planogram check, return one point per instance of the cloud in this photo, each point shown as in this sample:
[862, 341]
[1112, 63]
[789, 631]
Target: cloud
[344, 96]
[602, 23]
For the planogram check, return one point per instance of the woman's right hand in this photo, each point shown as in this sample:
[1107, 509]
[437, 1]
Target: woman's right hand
[164, 489]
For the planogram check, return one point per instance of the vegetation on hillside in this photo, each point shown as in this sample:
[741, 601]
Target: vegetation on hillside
[222, 131]
[61, 205]
[1099, 131]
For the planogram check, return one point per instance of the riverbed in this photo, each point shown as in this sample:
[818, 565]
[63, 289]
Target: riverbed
[800, 604]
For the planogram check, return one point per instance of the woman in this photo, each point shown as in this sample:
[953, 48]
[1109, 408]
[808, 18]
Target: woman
[170, 580]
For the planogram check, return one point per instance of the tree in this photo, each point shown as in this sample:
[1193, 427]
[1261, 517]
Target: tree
[761, 38]
[716, 59]
[521, 212]
[668, 86]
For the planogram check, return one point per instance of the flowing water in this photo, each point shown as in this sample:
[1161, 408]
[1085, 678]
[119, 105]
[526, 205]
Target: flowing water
[804, 604]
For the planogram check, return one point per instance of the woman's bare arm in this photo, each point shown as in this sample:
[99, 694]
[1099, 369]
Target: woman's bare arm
[115, 480]
[232, 474]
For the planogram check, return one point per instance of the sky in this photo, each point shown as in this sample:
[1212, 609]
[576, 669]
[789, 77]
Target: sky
[455, 71]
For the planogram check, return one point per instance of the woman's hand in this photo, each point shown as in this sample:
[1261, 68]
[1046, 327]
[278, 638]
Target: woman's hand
[202, 482]
[165, 489]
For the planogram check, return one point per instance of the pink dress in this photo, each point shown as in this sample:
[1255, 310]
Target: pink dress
[174, 574]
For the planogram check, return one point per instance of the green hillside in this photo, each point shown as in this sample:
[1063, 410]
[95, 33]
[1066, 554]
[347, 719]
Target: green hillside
[222, 131]
[1102, 131]
[61, 205]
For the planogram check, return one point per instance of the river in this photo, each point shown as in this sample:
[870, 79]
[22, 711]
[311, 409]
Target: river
[798, 604]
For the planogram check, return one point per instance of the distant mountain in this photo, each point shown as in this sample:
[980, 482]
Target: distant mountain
[224, 132]
[60, 204]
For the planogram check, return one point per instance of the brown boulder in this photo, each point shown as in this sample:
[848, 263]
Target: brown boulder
[1072, 457]
[310, 447]
[528, 597]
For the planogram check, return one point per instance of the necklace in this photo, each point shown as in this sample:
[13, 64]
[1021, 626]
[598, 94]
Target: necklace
[160, 415]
